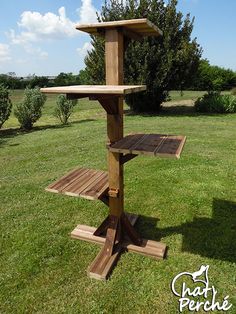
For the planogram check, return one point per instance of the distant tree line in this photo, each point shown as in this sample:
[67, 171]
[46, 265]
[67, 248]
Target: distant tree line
[13, 82]
[207, 77]
[211, 77]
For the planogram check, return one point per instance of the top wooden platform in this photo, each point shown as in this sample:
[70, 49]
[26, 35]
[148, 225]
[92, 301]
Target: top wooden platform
[141, 27]
[95, 89]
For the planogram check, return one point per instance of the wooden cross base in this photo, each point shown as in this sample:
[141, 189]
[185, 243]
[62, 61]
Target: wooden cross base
[116, 235]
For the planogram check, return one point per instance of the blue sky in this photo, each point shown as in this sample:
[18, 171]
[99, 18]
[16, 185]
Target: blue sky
[39, 36]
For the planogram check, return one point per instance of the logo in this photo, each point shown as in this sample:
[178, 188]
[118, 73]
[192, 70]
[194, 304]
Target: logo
[189, 297]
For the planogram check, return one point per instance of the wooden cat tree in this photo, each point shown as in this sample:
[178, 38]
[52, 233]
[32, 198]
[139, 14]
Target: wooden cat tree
[116, 233]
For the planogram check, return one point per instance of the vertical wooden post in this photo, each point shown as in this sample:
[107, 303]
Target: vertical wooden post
[114, 56]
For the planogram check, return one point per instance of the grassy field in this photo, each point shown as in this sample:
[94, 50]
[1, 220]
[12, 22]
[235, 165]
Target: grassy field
[189, 95]
[190, 204]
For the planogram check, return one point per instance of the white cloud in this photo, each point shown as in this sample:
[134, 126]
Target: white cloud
[35, 51]
[21, 61]
[83, 51]
[4, 53]
[23, 38]
[35, 28]
[39, 27]
[87, 12]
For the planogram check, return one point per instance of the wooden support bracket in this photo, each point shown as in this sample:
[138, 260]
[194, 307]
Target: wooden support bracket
[127, 157]
[76, 96]
[109, 103]
[113, 192]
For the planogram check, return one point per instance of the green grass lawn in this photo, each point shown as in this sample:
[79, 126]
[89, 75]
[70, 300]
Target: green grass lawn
[190, 204]
[186, 95]
[176, 95]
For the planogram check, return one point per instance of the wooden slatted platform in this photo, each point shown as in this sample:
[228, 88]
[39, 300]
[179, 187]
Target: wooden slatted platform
[87, 183]
[161, 145]
[142, 27]
[93, 90]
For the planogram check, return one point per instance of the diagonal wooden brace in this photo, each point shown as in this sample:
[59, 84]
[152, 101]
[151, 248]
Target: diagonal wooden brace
[109, 104]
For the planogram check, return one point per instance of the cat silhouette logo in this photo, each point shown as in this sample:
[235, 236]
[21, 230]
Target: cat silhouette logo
[189, 297]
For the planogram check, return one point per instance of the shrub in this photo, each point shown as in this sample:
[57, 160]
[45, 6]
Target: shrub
[5, 104]
[30, 109]
[233, 91]
[216, 103]
[64, 108]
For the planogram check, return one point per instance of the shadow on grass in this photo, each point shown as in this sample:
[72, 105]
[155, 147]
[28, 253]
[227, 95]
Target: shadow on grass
[179, 110]
[2, 142]
[210, 237]
[173, 111]
[8, 133]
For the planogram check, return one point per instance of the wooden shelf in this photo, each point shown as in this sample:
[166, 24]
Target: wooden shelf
[93, 90]
[87, 183]
[161, 145]
[142, 27]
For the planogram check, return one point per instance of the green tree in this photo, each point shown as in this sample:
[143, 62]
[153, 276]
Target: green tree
[5, 104]
[10, 81]
[213, 78]
[61, 79]
[65, 79]
[84, 78]
[162, 63]
[38, 81]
